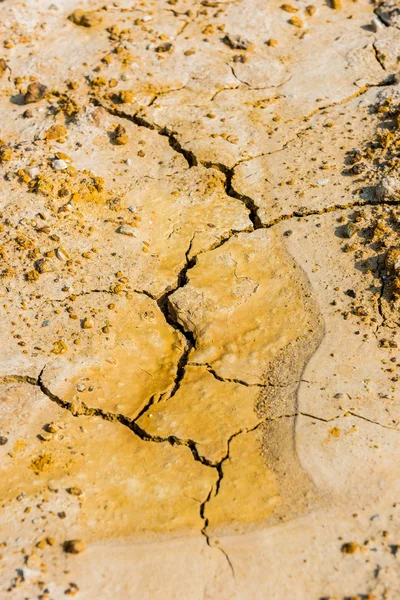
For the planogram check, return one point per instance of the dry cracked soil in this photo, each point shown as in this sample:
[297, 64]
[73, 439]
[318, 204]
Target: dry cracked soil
[200, 300]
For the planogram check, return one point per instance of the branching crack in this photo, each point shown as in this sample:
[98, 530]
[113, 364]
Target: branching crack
[230, 191]
[378, 56]
[140, 121]
[227, 379]
[214, 492]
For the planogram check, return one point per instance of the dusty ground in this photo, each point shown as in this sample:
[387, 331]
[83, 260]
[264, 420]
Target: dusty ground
[200, 295]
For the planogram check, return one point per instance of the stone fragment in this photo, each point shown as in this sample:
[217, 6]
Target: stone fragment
[289, 8]
[6, 154]
[119, 136]
[56, 132]
[44, 266]
[74, 491]
[296, 21]
[349, 230]
[3, 67]
[36, 91]
[392, 260]
[85, 18]
[388, 189]
[87, 323]
[127, 230]
[74, 546]
[59, 165]
[236, 42]
[389, 12]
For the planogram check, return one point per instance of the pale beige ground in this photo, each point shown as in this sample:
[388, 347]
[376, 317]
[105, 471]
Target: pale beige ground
[200, 295]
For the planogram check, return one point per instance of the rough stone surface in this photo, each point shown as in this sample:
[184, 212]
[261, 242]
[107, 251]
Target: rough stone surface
[200, 295]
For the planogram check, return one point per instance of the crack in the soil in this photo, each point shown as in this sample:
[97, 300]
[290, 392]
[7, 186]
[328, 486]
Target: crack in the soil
[378, 57]
[140, 121]
[171, 319]
[227, 379]
[213, 493]
[231, 192]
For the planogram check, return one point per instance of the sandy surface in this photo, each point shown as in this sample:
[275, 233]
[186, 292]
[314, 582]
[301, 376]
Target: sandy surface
[200, 296]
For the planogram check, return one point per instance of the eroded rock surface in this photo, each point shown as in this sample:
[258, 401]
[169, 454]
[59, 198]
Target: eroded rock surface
[200, 292]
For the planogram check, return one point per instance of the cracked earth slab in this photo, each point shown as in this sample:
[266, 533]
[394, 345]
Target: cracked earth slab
[200, 297]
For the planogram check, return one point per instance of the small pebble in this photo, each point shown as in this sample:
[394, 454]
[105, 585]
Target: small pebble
[35, 92]
[87, 323]
[32, 172]
[74, 546]
[59, 165]
[74, 491]
[376, 25]
[127, 230]
[236, 42]
[349, 230]
[3, 440]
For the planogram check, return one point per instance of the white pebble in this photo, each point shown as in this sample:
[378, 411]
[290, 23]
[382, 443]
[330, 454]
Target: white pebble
[59, 165]
[33, 171]
[127, 230]
[376, 25]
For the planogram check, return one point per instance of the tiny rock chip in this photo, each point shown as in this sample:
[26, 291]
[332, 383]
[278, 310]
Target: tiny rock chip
[236, 42]
[349, 230]
[74, 546]
[33, 561]
[6, 154]
[166, 47]
[289, 8]
[44, 266]
[59, 347]
[120, 137]
[127, 230]
[56, 132]
[52, 427]
[3, 67]
[376, 25]
[389, 12]
[32, 172]
[61, 254]
[3, 440]
[296, 22]
[74, 491]
[87, 323]
[392, 261]
[350, 547]
[85, 19]
[59, 165]
[32, 275]
[35, 92]
[388, 188]
[126, 96]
